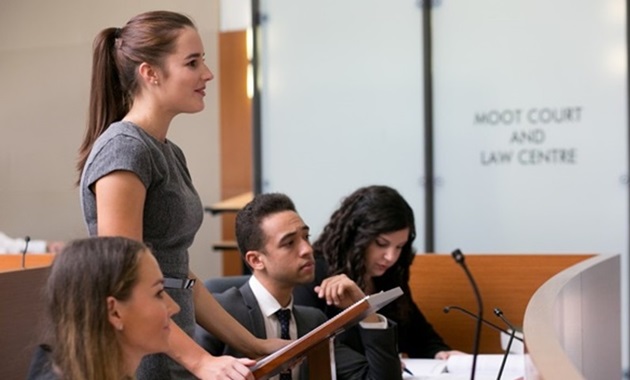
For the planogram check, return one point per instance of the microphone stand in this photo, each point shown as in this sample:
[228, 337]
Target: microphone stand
[506, 354]
[485, 321]
[499, 314]
[458, 256]
[27, 239]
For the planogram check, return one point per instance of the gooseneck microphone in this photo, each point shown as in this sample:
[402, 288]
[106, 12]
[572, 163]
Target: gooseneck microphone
[27, 239]
[458, 256]
[485, 321]
[499, 314]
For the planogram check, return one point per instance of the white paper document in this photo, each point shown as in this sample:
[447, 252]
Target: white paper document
[459, 367]
[487, 366]
[423, 367]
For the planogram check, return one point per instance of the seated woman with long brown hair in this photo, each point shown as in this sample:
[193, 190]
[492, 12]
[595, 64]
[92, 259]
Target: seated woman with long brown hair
[107, 309]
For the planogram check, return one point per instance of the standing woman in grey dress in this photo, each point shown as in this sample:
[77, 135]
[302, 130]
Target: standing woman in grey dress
[134, 181]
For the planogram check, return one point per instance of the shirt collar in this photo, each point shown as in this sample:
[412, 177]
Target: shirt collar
[267, 302]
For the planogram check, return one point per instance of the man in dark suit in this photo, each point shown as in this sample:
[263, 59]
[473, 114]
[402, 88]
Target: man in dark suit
[274, 242]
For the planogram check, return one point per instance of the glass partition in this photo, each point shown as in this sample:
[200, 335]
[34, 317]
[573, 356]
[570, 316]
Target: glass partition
[531, 129]
[341, 101]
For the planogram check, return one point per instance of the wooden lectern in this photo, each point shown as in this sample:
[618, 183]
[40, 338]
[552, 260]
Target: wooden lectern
[317, 345]
[22, 307]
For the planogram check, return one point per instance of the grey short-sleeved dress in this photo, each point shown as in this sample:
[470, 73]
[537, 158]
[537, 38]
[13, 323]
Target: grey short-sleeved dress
[172, 215]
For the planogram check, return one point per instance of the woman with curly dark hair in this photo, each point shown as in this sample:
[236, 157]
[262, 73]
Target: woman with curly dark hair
[367, 247]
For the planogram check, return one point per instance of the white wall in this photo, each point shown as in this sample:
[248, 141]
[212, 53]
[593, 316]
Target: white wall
[235, 15]
[45, 61]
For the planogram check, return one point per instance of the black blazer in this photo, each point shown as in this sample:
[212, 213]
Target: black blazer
[377, 360]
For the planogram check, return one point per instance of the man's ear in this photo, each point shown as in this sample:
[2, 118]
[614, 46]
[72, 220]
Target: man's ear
[148, 74]
[254, 260]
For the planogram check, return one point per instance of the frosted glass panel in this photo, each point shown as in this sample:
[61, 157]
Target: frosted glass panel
[531, 126]
[341, 101]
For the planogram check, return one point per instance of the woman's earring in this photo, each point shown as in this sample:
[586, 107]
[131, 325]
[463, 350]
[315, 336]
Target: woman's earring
[155, 82]
[119, 327]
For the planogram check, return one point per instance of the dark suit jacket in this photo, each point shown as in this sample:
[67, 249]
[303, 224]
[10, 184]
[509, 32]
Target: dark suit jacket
[41, 367]
[379, 359]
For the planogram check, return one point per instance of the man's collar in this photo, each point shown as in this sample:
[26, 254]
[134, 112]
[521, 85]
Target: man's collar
[267, 302]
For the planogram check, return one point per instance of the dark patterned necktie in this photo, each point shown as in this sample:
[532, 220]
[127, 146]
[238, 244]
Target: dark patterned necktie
[284, 316]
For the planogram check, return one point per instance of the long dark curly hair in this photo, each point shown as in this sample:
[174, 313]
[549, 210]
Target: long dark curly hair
[363, 216]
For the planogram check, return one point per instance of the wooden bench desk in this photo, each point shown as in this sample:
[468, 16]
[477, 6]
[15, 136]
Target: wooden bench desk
[506, 281]
[9, 262]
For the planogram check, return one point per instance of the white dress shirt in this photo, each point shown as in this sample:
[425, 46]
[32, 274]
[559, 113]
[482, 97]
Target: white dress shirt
[268, 306]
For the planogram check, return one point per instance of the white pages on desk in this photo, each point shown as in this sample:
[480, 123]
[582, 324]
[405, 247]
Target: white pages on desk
[458, 367]
[424, 368]
[488, 366]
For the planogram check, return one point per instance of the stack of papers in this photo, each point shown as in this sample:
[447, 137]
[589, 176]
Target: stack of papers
[423, 367]
[459, 367]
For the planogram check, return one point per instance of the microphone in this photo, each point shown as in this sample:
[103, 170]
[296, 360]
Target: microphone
[458, 256]
[488, 323]
[27, 239]
[499, 314]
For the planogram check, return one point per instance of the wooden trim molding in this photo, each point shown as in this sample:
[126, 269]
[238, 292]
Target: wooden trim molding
[236, 135]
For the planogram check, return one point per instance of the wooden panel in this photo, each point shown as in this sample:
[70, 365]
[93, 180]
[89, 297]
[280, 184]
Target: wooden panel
[21, 311]
[225, 245]
[505, 281]
[13, 262]
[236, 134]
[232, 262]
[230, 204]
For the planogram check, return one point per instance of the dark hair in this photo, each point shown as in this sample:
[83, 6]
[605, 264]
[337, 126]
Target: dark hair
[249, 234]
[82, 276]
[363, 215]
[117, 52]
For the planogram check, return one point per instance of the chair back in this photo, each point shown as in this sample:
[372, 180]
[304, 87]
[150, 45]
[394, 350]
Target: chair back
[221, 284]
[217, 285]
